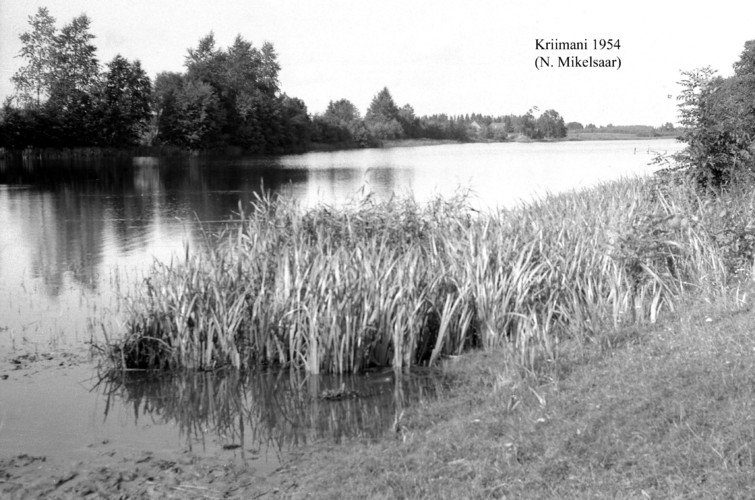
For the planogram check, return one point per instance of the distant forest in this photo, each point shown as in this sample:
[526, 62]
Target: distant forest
[225, 98]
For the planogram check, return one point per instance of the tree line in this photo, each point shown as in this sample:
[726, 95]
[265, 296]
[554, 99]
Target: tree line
[226, 97]
[64, 98]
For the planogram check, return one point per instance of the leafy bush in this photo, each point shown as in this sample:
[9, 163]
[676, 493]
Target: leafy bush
[719, 116]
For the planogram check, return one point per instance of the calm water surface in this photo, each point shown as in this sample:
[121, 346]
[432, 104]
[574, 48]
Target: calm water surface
[76, 235]
[71, 414]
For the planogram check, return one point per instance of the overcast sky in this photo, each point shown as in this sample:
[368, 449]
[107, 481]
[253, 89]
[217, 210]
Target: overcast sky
[439, 56]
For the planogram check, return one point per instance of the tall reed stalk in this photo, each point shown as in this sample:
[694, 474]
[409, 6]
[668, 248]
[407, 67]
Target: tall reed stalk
[400, 283]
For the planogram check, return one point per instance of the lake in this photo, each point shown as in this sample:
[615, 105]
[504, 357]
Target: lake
[76, 235]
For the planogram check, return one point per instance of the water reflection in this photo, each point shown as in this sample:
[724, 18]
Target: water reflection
[63, 217]
[75, 232]
[273, 410]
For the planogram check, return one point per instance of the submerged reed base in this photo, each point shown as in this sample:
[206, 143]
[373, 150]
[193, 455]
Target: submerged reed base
[399, 283]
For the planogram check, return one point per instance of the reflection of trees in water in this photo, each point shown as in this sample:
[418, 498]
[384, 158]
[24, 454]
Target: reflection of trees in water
[63, 233]
[275, 410]
[75, 210]
[63, 215]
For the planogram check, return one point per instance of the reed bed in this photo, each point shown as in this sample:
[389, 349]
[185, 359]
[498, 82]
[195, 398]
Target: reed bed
[340, 289]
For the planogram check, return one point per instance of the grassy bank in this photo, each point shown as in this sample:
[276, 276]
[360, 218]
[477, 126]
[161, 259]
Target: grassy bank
[665, 412]
[397, 283]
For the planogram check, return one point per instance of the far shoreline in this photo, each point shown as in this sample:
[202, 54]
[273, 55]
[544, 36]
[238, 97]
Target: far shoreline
[167, 151]
[586, 136]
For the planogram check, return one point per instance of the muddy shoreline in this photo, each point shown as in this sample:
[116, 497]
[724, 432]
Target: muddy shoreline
[103, 465]
[107, 470]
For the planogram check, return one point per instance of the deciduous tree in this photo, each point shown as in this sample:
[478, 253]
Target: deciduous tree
[341, 112]
[167, 88]
[198, 107]
[409, 121]
[551, 124]
[125, 102]
[75, 68]
[32, 81]
[382, 117]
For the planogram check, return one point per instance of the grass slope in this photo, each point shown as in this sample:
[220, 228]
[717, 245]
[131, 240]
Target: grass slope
[668, 411]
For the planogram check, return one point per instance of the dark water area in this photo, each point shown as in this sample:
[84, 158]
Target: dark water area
[250, 416]
[67, 223]
[76, 234]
